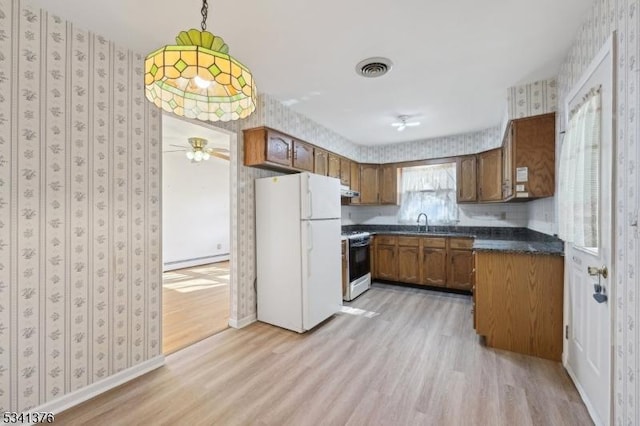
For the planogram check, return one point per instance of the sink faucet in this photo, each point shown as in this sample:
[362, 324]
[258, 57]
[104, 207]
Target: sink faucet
[426, 223]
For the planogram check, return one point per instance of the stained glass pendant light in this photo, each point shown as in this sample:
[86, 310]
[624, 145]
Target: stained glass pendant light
[197, 78]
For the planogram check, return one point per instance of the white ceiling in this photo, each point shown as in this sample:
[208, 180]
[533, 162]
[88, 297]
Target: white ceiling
[176, 131]
[454, 60]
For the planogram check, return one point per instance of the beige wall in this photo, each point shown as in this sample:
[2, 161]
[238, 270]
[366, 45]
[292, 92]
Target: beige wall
[79, 209]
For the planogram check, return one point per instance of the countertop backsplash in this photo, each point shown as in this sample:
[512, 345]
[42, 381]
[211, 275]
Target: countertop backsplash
[478, 215]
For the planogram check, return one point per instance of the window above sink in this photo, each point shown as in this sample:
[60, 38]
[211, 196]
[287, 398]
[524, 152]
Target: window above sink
[429, 189]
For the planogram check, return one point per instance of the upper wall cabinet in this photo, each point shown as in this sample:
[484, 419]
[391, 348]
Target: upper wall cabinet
[369, 193]
[490, 175]
[334, 166]
[388, 182]
[355, 182]
[345, 171]
[529, 163]
[320, 162]
[467, 179]
[268, 149]
[339, 168]
[303, 156]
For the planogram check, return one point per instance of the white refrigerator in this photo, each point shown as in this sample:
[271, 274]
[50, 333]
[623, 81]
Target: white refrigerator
[298, 253]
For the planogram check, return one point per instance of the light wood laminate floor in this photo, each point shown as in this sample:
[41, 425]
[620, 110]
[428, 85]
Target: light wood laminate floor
[195, 304]
[400, 356]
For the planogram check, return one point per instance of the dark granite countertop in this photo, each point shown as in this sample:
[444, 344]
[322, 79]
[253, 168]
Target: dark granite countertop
[554, 248]
[499, 239]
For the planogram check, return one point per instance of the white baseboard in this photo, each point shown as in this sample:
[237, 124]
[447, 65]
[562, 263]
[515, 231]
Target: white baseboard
[234, 323]
[74, 398]
[188, 263]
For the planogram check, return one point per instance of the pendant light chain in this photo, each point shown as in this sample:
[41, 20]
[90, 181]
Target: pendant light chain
[203, 11]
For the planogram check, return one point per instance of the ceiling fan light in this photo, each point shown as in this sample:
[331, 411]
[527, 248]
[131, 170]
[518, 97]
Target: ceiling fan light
[189, 155]
[206, 156]
[197, 156]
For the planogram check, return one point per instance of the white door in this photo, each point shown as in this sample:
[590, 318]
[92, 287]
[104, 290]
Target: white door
[320, 196]
[321, 271]
[588, 322]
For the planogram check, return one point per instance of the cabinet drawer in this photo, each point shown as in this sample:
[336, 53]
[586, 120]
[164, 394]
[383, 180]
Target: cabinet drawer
[461, 243]
[434, 242]
[386, 239]
[409, 241]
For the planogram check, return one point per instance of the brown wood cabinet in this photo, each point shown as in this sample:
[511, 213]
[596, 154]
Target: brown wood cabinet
[303, 156]
[320, 162]
[460, 269]
[267, 148]
[466, 179]
[387, 258]
[434, 266]
[355, 182]
[334, 166]
[423, 260]
[409, 260]
[490, 175]
[369, 193]
[388, 182]
[531, 142]
[345, 171]
[507, 165]
[518, 302]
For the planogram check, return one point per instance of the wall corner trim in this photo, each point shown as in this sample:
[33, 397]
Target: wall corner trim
[241, 323]
[81, 395]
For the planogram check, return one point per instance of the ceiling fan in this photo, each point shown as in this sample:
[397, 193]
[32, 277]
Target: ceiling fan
[199, 152]
[403, 123]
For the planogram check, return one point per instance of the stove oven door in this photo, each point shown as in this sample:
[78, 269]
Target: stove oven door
[359, 265]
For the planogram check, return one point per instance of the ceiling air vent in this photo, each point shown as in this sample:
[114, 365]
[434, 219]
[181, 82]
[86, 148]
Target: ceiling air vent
[373, 67]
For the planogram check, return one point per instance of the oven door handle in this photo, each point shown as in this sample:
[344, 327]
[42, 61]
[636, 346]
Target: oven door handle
[356, 245]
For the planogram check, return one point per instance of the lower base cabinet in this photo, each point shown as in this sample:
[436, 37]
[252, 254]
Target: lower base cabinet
[434, 267]
[431, 261]
[386, 258]
[460, 270]
[519, 301]
[409, 260]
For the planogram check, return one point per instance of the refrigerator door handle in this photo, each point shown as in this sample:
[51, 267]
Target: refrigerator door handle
[310, 195]
[309, 247]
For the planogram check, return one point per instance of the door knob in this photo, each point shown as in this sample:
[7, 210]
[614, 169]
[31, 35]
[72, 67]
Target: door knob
[595, 271]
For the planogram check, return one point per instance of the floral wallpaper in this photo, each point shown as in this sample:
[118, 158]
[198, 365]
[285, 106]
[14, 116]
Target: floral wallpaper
[80, 271]
[446, 146]
[605, 17]
[532, 99]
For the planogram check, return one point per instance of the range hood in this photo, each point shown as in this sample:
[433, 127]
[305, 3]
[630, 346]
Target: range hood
[347, 192]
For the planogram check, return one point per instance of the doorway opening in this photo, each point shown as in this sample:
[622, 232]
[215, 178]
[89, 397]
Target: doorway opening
[196, 225]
